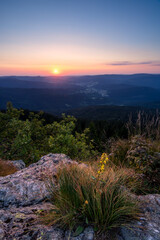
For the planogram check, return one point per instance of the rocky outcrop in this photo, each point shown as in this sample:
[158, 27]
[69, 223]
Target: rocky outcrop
[27, 186]
[19, 164]
[148, 226]
[22, 223]
[23, 196]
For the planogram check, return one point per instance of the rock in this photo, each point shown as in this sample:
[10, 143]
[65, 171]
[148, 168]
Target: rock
[87, 234]
[27, 186]
[2, 234]
[23, 223]
[22, 196]
[54, 234]
[147, 228]
[19, 164]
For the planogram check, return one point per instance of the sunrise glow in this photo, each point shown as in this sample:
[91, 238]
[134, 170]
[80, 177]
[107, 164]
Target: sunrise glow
[65, 43]
[55, 71]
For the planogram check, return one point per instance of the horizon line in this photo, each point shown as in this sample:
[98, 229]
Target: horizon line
[80, 75]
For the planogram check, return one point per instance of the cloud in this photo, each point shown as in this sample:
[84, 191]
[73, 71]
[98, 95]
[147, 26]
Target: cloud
[126, 63]
[120, 63]
[156, 64]
[147, 63]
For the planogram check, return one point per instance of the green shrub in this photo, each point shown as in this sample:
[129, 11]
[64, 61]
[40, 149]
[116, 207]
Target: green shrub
[119, 150]
[30, 139]
[84, 197]
[21, 139]
[64, 139]
[142, 156]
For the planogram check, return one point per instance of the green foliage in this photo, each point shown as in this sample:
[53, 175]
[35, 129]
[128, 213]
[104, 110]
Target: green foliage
[26, 135]
[139, 153]
[29, 139]
[119, 150]
[145, 161]
[83, 197]
[102, 131]
[64, 139]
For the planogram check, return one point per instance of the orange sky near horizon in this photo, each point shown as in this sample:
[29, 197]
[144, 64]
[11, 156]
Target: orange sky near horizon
[80, 69]
[35, 59]
[79, 37]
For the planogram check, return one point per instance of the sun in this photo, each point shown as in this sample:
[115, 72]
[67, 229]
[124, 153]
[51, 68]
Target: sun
[55, 71]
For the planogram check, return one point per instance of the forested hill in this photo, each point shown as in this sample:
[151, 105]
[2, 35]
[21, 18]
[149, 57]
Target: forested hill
[62, 94]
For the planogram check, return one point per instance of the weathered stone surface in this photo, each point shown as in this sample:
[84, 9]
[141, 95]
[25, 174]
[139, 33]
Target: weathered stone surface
[19, 164]
[148, 227]
[27, 186]
[22, 196]
[23, 223]
[87, 234]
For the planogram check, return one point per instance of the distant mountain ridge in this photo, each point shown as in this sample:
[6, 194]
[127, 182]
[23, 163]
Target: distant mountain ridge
[56, 94]
[148, 80]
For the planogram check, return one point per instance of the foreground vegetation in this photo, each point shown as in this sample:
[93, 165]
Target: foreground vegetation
[135, 144]
[142, 155]
[31, 138]
[87, 197]
[99, 194]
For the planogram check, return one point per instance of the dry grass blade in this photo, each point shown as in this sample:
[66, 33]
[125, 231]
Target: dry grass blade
[83, 197]
[6, 168]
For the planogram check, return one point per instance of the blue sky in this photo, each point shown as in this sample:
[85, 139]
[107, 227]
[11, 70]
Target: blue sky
[86, 36]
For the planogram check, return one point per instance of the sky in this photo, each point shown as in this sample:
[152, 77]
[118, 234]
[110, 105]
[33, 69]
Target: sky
[77, 37]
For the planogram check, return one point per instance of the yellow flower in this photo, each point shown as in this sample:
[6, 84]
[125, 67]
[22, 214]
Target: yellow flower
[86, 202]
[103, 160]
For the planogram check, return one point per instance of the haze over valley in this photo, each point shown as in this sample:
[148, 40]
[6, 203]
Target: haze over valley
[57, 94]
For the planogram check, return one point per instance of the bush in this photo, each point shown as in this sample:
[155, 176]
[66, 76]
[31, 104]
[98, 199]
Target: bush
[65, 140]
[84, 197]
[142, 156]
[30, 139]
[119, 150]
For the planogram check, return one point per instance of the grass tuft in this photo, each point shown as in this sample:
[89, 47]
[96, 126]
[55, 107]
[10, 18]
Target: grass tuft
[83, 197]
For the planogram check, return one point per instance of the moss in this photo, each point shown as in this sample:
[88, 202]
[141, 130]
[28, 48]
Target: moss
[20, 215]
